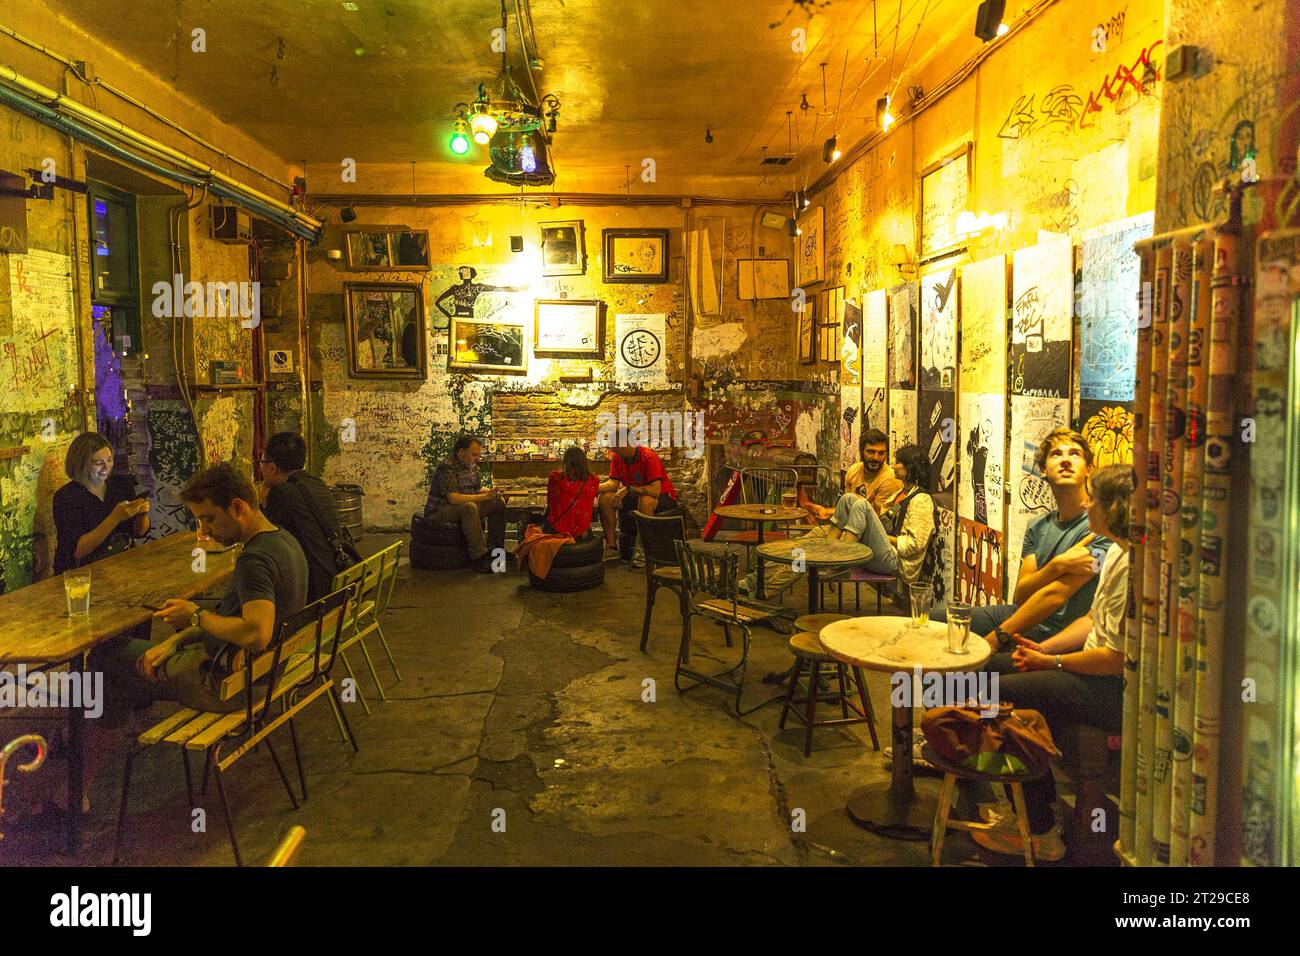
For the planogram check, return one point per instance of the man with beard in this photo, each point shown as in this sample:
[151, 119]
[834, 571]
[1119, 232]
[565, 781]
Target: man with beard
[269, 585]
[867, 480]
[1061, 558]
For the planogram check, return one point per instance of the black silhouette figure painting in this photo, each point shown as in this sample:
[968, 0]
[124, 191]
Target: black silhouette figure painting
[465, 294]
[977, 446]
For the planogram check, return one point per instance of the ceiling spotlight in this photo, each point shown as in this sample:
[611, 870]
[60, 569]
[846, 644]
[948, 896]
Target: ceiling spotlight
[708, 135]
[884, 118]
[793, 228]
[831, 150]
[988, 20]
[484, 125]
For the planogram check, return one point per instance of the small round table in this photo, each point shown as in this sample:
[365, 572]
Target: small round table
[895, 646]
[816, 553]
[761, 515]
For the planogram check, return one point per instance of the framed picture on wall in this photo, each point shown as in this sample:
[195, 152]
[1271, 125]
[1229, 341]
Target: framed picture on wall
[563, 248]
[388, 250]
[635, 255]
[808, 331]
[385, 330]
[945, 195]
[830, 328]
[569, 328]
[492, 346]
[810, 247]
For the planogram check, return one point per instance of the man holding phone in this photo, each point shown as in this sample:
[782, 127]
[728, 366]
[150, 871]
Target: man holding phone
[456, 495]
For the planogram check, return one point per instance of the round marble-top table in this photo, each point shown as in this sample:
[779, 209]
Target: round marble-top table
[760, 515]
[894, 645]
[816, 553]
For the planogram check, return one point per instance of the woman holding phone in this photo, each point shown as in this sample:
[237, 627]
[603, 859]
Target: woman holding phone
[96, 513]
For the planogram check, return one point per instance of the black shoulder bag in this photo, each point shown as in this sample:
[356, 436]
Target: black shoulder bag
[345, 551]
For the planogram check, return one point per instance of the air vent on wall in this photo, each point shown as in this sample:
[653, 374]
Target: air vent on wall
[775, 160]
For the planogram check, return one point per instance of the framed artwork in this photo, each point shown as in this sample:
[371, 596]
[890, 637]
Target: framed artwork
[811, 247]
[385, 330]
[830, 329]
[808, 332]
[569, 328]
[388, 250]
[945, 188]
[494, 346]
[635, 255]
[763, 278]
[564, 251]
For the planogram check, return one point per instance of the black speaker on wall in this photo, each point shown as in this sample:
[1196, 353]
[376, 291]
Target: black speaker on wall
[988, 18]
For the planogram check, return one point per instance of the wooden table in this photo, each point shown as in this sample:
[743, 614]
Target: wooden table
[816, 553]
[894, 645]
[761, 515]
[38, 630]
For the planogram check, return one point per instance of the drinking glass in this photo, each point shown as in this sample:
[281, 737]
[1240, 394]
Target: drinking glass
[958, 626]
[920, 594]
[76, 587]
[790, 499]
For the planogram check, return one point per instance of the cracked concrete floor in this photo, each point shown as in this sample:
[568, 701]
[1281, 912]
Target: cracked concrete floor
[525, 709]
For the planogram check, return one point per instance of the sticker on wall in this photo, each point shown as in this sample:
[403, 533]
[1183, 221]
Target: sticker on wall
[902, 336]
[875, 344]
[947, 556]
[982, 444]
[937, 431]
[902, 418]
[984, 326]
[1108, 427]
[1109, 309]
[279, 361]
[939, 329]
[979, 563]
[850, 424]
[1043, 309]
[851, 345]
[640, 357]
[1031, 419]
[875, 412]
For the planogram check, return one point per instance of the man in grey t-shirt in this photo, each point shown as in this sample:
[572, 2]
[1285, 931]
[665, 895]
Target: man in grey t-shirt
[269, 585]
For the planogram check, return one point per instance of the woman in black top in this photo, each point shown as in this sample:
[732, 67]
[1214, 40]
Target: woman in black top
[96, 513]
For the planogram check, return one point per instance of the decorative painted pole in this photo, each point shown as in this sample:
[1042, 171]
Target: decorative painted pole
[1189, 563]
[1169, 740]
[1137, 534]
[1220, 424]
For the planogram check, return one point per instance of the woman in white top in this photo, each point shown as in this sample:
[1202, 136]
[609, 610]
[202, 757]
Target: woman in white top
[1076, 676]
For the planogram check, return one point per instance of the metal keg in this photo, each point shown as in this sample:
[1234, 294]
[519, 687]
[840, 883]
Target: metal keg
[348, 499]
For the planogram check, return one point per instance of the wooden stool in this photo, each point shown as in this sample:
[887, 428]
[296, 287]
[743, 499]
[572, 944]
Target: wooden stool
[813, 623]
[951, 774]
[808, 650]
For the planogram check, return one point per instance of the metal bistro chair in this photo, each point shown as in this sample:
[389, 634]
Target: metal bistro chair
[374, 579]
[662, 570]
[711, 588]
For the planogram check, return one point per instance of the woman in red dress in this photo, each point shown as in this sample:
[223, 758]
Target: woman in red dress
[570, 495]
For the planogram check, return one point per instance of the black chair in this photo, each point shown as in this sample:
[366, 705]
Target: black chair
[658, 541]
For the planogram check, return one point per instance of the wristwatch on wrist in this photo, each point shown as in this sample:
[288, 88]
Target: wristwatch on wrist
[1058, 663]
[1004, 639]
[194, 618]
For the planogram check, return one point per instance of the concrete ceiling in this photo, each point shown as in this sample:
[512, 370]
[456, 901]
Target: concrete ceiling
[636, 79]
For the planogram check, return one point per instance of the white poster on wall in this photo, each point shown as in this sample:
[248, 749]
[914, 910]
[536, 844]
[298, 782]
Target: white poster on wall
[980, 428]
[640, 351]
[1031, 419]
[874, 343]
[902, 418]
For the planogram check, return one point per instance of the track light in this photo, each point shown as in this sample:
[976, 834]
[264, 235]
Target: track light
[831, 150]
[884, 118]
[988, 20]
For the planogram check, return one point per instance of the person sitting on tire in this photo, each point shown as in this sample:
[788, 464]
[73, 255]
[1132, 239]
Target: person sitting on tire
[637, 482]
[570, 494]
[456, 495]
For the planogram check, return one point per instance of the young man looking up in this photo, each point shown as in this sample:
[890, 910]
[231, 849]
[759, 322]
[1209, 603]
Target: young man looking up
[1060, 557]
[268, 586]
[457, 496]
[637, 482]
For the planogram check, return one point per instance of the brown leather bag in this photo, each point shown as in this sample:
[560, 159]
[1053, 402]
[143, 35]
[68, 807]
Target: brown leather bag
[1011, 742]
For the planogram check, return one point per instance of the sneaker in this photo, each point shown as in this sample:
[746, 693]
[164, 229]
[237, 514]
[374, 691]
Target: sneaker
[1048, 847]
[999, 816]
[483, 565]
[918, 758]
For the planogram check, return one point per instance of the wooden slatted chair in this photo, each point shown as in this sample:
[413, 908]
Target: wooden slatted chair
[292, 672]
[711, 583]
[373, 579]
[286, 854]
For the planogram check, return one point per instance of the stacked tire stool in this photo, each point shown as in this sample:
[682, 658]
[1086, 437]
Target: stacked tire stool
[437, 545]
[577, 567]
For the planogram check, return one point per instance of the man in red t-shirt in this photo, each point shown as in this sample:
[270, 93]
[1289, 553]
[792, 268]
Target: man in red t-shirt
[637, 482]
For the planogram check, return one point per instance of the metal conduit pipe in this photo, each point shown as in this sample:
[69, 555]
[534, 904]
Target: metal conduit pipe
[233, 188]
[298, 224]
[540, 199]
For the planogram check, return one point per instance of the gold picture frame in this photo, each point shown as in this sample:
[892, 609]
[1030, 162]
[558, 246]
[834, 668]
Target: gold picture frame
[386, 331]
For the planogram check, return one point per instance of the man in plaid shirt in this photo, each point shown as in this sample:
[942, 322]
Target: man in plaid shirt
[457, 496]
